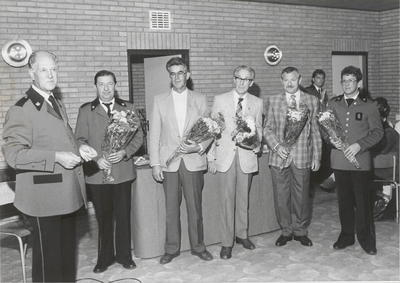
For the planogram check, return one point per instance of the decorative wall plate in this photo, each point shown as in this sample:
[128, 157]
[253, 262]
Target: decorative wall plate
[273, 55]
[16, 52]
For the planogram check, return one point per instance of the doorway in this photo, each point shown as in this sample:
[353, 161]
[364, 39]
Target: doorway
[148, 77]
[340, 60]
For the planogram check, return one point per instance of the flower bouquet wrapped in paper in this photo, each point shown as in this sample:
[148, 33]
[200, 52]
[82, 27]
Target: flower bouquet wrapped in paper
[296, 119]
[205, 128]
[119, 132]
[330, 123]
[245, 134]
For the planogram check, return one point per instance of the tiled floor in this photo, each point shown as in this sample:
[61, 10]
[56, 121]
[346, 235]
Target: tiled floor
[267, 263]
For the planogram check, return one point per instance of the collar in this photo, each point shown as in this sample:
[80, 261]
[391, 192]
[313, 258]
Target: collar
[297, 94]
[115, 100]
[174, 92]
[237, 96]
[42, 93]
[363, 97]
[112, 101]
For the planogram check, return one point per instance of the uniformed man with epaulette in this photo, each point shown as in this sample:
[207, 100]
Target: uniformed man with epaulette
[40, 145]
[93, 118]
[362, 125]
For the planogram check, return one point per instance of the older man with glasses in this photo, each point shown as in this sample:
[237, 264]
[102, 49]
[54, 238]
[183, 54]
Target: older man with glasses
[173, 115]
[233, 163]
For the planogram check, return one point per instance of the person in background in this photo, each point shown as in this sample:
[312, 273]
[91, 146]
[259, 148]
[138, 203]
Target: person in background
[315, 89]
[235, 165]
[173, 115]
[362, 125]
[109, 198]
[40, 146]
[382, 155]
[292, 182]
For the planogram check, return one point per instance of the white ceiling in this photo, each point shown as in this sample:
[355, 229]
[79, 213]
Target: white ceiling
[364, 5]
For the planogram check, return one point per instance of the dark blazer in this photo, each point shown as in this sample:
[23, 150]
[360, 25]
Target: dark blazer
[90, 128]
[313, 91]
[33, 132]
[362, 124]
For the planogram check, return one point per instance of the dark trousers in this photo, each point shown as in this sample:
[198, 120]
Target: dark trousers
[109, 198]
[355, 207]
[192, 184]
[54, 248]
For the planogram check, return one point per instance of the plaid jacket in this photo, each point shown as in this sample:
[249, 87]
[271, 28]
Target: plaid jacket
[308, 147]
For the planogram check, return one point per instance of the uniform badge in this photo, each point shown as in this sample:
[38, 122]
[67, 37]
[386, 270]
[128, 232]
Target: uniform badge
[359, 116]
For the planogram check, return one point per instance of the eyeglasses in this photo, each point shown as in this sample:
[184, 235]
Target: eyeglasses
[246, 80]
[180, 74]
[347, 82]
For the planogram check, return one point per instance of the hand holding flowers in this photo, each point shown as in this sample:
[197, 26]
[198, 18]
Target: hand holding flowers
[296, 119]
[203, 129]
[119, 132]
[330, 123]
[245, 133]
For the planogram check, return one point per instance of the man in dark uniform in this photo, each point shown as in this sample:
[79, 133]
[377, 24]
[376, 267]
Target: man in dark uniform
[362, 125]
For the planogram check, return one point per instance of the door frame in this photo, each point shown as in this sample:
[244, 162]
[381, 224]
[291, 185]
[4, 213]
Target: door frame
[138, 56]
[364, 56]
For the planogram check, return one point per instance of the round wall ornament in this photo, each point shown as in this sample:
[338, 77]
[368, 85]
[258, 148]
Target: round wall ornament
[273, 55]
[16, 52]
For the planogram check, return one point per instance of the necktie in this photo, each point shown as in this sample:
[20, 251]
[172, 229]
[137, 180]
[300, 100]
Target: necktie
[349, 101]
[239, 108]
[293, 103]
[108, 105]
[55, 105]
[320, 93]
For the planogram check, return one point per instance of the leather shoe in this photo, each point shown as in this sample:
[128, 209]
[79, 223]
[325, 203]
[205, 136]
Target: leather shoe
[282, 240]
[341, 246]
[247, 244]
[226, 252]
[99, 269]
[304, 240]
[204, 255]
[129, 264]
[370, 250]
[167, 258]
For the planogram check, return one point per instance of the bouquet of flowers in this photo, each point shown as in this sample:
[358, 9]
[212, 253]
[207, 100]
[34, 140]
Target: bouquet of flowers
[330, 123]
[245, 134]
[205, 128]
[296, 119]
[119, 132]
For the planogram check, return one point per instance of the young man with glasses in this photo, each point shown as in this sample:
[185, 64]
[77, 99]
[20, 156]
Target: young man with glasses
[173, 115]
[362, 125]
[234, 164]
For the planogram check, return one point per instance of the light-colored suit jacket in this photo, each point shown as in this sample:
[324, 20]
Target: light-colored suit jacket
[164, 132]
[33, 132]
[309, 144]
[90, 128]
[224, 149]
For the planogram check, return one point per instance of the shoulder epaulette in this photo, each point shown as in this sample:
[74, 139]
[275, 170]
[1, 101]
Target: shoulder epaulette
[84, 104]
[22, 101]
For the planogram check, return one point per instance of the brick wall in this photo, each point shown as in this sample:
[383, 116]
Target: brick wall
[88, 36]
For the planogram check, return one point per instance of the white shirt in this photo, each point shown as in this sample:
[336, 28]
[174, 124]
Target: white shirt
[105, 107]
[180, 105]
[44, 94]
[297, 94]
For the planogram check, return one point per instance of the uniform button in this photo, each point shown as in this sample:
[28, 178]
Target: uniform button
[347, 119]
[348, 113]
[347, 125]
[33, 166]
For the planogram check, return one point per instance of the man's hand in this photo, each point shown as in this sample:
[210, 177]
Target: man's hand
[104, 164]
[212, 167]
[117, 156]
[257, 149]
[68, 160]
[282, 152]
[87, 152]
[315, 164]
[336, 143]
[157, 173]
[189, 147]
[352, 150]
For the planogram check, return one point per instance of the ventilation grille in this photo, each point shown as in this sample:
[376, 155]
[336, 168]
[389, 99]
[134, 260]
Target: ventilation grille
[160, 20]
